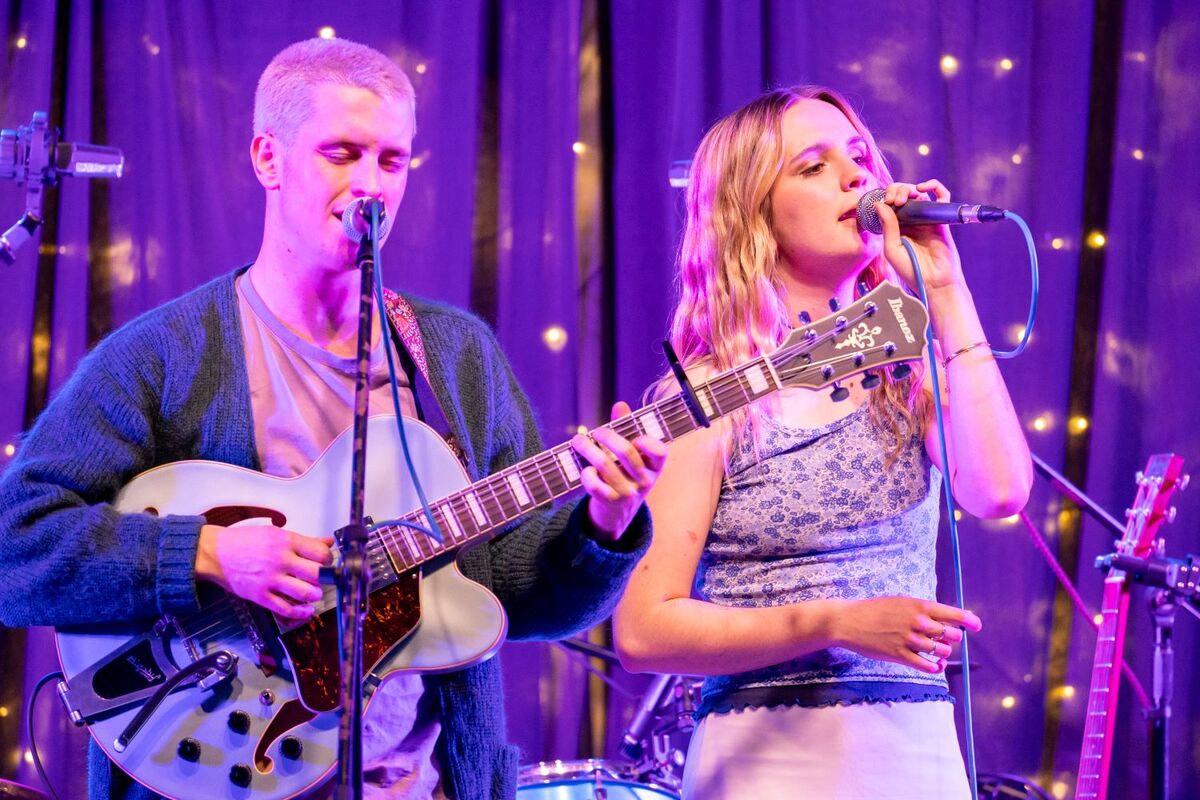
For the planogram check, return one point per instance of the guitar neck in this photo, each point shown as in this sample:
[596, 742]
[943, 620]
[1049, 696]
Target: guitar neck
[485, 508]
[1095, 758]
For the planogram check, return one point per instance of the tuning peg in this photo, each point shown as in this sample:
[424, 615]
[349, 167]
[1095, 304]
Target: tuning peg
[839, 393]
[834, 305]
[863, 288]
[870, 380]
[901, 371]
[805, 317]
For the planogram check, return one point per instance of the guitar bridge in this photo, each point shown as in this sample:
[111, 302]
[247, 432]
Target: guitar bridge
[132, 673]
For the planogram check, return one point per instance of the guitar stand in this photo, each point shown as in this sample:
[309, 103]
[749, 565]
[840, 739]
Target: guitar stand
[1170, 582]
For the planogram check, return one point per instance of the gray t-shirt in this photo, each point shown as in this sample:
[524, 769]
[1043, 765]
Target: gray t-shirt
[302, 398]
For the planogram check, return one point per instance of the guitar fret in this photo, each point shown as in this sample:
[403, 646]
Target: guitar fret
[552, 475]
[456, 531]
[519, 490]
[568, 464]
[507, 503]
[462, 515]
[476, 510]
[756, 379]
[534, 471]
[649, 423]
[708, 401]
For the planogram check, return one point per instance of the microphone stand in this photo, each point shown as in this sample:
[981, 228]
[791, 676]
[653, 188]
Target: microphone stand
[353, 575]
[1076, 496]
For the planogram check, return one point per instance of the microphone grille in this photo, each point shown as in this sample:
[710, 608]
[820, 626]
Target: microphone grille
[355, 224]
[868, 217]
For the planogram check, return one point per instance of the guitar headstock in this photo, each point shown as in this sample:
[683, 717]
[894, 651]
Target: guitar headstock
[1162, 477]
[884, 326]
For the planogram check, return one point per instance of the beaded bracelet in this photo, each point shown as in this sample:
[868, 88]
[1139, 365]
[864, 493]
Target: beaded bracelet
[967, 349]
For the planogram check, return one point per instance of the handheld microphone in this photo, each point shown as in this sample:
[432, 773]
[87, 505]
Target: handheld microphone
[920, 212]
[356, 219]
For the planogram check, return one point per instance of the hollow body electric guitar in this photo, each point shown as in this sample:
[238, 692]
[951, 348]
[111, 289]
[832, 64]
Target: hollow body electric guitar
[1150, 509]
[231, 702]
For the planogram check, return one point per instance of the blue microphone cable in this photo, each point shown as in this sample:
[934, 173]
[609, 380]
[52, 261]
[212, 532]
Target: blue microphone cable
[951, 508]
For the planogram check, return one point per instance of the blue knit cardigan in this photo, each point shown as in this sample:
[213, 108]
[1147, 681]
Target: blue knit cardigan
[172, 385]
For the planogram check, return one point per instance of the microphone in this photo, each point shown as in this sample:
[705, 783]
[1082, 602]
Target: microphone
[920, 212]
[356, 219]
[660, 688]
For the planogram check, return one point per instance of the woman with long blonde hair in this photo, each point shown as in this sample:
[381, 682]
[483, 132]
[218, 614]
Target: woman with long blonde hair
[793, 556]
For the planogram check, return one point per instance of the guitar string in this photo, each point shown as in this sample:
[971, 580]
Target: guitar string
[671, 411]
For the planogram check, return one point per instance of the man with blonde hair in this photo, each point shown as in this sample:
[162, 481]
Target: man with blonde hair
[256, 369]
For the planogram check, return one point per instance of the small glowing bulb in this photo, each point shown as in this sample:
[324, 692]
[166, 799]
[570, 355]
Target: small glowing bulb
[422, 68]
[1079, 424]
[21, 42]
[555, 337]
[1098, 618]
[1068, 691]
[1138, 154]
[923, 149]
[415, 162]
[1096, 240]
[1040, 424]
[3, 711]
[326, 32]
[10, 449]
[957, 515]
[581, 429]
[1058, 243]
[579, 148]
[1013, 520]
[949, 65]
[1138, 56]
[1059, 789]
[1016, 158]
[1008, 701]
[1006, 64]
[28, 756]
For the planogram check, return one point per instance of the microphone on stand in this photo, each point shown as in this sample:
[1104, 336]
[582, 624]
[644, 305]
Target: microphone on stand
[356, 218]
[921, 212]
[639, 727]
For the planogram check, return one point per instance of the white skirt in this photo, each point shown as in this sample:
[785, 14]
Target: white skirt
[866, 751]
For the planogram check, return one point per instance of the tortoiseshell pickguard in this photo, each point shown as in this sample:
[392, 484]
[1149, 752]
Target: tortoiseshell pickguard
[392, 614]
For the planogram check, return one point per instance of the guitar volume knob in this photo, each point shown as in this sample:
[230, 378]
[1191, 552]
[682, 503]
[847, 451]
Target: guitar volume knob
[291, 747]
[239, 722]
[189, 750]
[239, 775]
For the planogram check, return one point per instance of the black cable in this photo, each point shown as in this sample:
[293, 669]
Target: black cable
[37, 761]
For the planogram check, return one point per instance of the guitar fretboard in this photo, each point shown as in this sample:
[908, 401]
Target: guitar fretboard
[488, 506]
[1102, 696]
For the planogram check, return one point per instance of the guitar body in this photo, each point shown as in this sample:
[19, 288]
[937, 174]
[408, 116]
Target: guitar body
[285, 688]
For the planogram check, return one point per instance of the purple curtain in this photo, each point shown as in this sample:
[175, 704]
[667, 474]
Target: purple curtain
[539, 199]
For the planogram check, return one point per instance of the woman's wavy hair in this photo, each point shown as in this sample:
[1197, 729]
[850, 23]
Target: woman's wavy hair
[732, 302]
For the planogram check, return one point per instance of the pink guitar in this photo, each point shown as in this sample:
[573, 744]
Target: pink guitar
[1155, 487]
